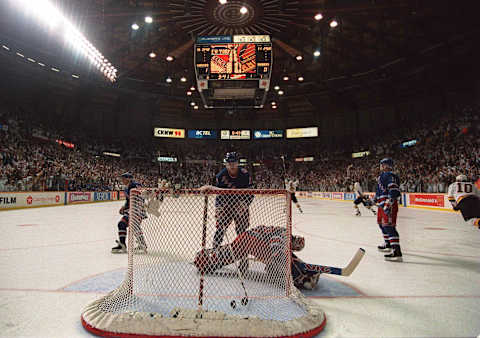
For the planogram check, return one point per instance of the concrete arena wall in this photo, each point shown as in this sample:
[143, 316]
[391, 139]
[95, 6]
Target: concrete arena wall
[34, 199]
[409, 200]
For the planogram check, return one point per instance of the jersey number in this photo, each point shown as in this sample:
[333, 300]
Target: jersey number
[468, 187]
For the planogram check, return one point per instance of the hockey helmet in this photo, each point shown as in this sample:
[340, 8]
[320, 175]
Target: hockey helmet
[387, 161]
[298, 243]
[461, 178]
[231, 157]
[126, 175]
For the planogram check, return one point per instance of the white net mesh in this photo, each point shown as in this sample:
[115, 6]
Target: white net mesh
[207, 264]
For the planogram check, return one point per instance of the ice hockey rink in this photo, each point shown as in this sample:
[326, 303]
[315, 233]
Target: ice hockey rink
[54, 261]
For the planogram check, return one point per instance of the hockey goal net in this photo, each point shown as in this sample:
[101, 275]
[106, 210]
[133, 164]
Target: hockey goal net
[195, 280]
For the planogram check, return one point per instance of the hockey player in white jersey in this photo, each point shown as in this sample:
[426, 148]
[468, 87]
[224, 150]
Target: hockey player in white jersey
[361, 198]
[464, 196]
[291, 187]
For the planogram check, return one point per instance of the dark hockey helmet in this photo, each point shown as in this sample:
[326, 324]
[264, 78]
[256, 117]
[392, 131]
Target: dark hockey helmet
[298, 243]
[231, 157]
[126, 175]
[387, 161]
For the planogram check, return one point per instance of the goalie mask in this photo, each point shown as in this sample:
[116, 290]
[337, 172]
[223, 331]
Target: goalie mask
[461, 178]
[298, 243]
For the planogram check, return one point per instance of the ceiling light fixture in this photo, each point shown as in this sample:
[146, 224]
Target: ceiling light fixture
[318, 16]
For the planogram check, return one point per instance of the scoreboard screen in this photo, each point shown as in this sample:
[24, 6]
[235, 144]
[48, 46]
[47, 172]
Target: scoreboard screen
[233, 61]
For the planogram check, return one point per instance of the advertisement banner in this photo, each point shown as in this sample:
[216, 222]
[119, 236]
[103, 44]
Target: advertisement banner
[79, 197]
[202, 134]
[121, 195]
[235, 134]
[302, 132]
[266, 134]
[101, 196]
[429, 200]
[337, 195]
[349, 196]
[114, 195]
[169, 132]
[360, 154]
[326, 195]
[166, 159]
[12, 200]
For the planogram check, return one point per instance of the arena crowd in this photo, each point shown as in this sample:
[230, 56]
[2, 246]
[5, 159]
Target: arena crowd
[35, 158]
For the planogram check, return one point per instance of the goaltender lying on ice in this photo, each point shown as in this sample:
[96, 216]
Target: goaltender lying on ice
[267, 244]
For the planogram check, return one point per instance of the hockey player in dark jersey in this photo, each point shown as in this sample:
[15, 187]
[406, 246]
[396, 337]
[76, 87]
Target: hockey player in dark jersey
[127, 180]
[230, 208]
[267, 244]
[386, 197]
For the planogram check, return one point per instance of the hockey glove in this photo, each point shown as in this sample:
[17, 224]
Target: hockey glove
[387, 206]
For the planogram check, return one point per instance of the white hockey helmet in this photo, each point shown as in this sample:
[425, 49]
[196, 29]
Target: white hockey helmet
[461, 178]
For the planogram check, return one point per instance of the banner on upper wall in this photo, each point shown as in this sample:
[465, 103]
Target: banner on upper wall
[12, 200]
[349, 196]
[202, 134]
[302, 132]
[169, 132]
[266, 134]
[79, 197]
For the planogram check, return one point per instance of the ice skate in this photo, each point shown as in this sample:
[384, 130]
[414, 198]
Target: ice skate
[395, 256]
[120, 248]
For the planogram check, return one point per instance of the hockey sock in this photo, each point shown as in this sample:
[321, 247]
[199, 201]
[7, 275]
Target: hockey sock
[122, 231]
[385, 235]
[393, 237]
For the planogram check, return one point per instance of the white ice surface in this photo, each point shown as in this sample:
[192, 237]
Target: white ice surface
[435, 292]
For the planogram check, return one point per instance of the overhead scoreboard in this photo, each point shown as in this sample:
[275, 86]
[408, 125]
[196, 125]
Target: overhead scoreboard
[221, 59]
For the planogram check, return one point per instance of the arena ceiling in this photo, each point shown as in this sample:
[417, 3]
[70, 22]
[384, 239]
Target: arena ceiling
[377, 43]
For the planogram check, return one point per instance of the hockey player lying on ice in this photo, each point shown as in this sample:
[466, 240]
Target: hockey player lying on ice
[268, 245]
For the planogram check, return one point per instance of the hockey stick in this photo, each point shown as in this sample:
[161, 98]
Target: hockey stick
[346, 271]
[204, 243]
[284, 170]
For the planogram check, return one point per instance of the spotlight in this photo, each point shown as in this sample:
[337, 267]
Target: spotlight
[135, 26]
[280, 92]
[193, 104]
[299, 58]
[300, 79]
[168, 79]
[274, 103]
[276, 87]
[192, 88]
[316, 53]
[243, 10]
[148, 19]
[189, 93]
[318, 16]
[333, 23]
[274, 107]
[183, 79]
[222, 2]
[152, 55]
[286, 78]
[169, 58]
[195, 107]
